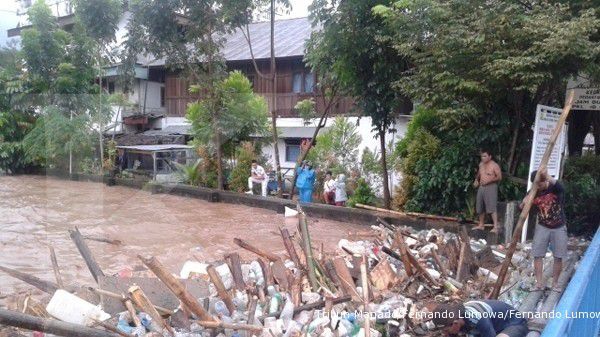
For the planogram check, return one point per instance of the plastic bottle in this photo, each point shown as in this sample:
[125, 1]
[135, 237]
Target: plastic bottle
[275, 302]
[221, 309]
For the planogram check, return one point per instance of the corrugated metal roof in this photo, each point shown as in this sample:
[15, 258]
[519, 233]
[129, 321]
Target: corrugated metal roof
[158, 147]
[290, 38]
[171, 130]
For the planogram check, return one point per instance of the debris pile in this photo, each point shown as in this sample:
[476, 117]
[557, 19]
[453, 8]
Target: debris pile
[377, 283]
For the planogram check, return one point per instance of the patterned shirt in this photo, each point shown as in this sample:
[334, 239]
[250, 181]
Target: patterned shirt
[551, 205]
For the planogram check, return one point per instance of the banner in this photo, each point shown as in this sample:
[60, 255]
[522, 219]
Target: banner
[546, 119]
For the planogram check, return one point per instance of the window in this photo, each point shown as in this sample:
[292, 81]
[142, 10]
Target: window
[162, 97]
[297, 83]
[292, 149]
[309, 82]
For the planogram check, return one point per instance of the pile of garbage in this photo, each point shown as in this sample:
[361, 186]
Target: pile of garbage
[381, 282]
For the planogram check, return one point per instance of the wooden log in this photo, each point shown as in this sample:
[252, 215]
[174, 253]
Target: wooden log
[347, 283]
[289, 246]
[234, 326]
[141, 300]
[54, 261]
[177, 288]
[530, 196]
[50, 326]
[401, 244]
[256, 250]
[280, 274]
[412, 214]
[466, 256]
[365, 293]
[86, 253]
[105, 240]
[43, 285]
[267, 272]
[252, 309]
[233, 260]
[132, 313]
[221, 291]
[310, 263]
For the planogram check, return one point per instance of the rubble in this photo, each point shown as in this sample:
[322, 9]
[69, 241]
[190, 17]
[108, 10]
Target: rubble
[382, 285]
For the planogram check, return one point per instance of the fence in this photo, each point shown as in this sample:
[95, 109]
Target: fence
[579, 307]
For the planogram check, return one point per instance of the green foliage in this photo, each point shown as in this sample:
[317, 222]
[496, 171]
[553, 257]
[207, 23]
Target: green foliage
[190, 174]
[582, 197]
[238, 180]
[306, 109]
[207, 168]
[337, 148]
[236, 113]
[99, 18]
[362, 194]
[13, 127]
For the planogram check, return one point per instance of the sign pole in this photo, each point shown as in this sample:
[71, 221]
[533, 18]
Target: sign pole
[529, 198]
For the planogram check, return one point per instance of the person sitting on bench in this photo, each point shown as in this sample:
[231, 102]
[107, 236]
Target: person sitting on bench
[258, 175]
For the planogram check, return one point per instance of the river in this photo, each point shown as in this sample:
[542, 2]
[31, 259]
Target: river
[38, 211]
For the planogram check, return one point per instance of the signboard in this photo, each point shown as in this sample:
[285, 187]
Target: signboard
[546, 119]
[586, 99]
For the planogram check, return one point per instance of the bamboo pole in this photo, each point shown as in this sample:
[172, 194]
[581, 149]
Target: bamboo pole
[289, 246]
[412, 214]
[310, 263]
[221, 291]
[57, 275]
[530, 196]
[19, 320]
[142, 301]
[177, 288]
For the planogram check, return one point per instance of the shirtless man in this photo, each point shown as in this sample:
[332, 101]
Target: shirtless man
[487, 179]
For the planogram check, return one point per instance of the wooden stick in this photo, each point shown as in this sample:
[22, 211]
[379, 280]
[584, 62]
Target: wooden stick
[17, 319]
[530, 196]
[280, 273]
[86, 253]
[436, 258]
[348, 285]
[395, 229]
[401, 244]
[177, 288]
[289, 246]
[252, 309]
[466, 256]
[142, 301]
[132, 313]
[233, 260]
[310, 263]
[234, 326]
[43, 285]
[365, 290]
[412, 214]
[267, 272]
[221, 291]
[55, 267]
[105, 240]
[111, 328]
[163, 311]
[330, 270]
[255, 250]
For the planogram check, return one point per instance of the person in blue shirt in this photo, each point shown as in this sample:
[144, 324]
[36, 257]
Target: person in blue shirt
[484, 318]
[305, 181]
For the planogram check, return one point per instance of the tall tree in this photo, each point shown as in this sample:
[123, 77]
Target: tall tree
[364, 64]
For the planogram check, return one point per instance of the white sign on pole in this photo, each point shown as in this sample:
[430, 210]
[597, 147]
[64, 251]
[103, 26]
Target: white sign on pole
[586, 99]
[546, 119]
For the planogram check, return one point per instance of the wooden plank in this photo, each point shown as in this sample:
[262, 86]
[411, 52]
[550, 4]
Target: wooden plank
[401, 244]
[233, 260]
[347, 283]
[465, 259]
[365, 289]
[289, 246]
[54, 261]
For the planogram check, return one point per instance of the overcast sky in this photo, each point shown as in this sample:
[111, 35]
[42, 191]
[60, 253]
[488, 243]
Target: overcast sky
[8, 15]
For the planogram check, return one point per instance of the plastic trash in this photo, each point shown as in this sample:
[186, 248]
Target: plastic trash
[72, 309]
[287, 313]
[275, 303]
[308, 297]
[193, 267]
[290, 213]
[221, 309]
[485, 273]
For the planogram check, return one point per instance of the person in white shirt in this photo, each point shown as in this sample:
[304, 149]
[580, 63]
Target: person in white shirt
[340, 190]
[258, 175]
[329, 189]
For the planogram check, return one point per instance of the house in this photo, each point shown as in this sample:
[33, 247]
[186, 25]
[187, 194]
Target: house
[160, 96]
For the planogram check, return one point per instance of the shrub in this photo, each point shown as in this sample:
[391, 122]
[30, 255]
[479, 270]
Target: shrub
[238, 180]
[582, 193]
[362, 194]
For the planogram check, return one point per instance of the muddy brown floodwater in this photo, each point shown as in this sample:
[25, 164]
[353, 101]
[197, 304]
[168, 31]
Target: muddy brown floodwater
[37, 211]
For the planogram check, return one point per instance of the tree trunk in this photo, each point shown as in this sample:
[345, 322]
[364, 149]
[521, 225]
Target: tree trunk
[384, 170]
[219, 160]
[274, 105]
[513, 149]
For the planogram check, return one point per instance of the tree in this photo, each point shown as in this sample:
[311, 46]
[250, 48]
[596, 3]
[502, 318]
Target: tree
[365, 65]
[233, 114]
[337, 149]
